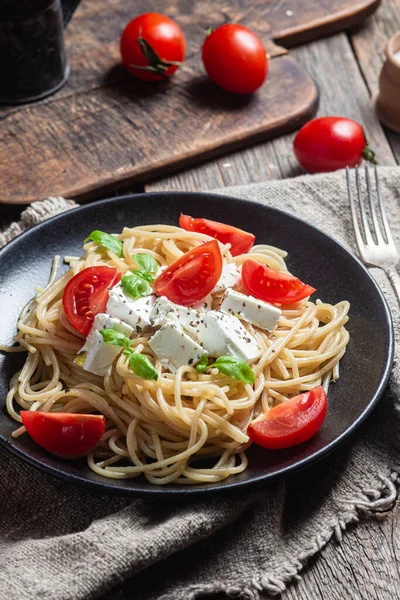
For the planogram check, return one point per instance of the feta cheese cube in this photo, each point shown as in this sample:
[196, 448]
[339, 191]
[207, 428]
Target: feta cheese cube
[99, 355]
[174, 347]
[204, 304]
[250, 309]
[224, 335]
[135, 312]
[230, 277]
[164, 311]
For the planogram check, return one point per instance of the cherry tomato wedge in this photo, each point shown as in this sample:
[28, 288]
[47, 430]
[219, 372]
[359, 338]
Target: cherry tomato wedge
[291, 422]
[192, 276]
[86, 295]
[273, 286]
[240, 241]
[65, 434]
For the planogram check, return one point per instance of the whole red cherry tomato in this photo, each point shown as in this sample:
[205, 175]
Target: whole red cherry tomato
[152, 46]
[331, 143]
[235, 59]
[291, 422]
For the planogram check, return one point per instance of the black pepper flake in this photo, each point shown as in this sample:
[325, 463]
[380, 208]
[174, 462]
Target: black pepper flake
[190, 361]
[258, 305]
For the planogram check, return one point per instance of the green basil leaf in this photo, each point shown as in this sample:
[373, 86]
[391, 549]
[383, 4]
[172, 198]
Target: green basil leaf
[203, 364]
[147, 264]
[134, 285]
[237, 369]
[108, 241]
[141, 366]
[115, 338]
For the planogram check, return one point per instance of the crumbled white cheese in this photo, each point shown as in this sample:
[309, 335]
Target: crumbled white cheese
[224, 335]
[204, 304]
[99, 355]
[250, 309]
[230, 277]
[174, 347]
[165, 311]
[135, 312]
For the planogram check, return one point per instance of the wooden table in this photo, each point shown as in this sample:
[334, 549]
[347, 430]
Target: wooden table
[346, 67]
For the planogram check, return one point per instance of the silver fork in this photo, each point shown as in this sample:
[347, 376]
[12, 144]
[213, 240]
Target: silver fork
[382, 253]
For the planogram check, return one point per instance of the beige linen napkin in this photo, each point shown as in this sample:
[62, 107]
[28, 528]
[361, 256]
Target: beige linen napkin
[61, 542]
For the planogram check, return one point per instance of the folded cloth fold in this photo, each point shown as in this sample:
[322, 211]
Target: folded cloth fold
[61, 542]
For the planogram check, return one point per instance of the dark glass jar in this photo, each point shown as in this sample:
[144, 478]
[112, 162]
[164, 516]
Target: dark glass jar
[33, 62]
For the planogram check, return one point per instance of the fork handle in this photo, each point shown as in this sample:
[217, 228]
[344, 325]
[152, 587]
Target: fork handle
[395, 281]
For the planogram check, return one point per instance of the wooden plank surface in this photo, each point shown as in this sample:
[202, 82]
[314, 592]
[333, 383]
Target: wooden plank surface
[106, 127]
[342, 95]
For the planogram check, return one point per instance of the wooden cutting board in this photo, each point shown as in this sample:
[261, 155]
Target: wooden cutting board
[105, 129]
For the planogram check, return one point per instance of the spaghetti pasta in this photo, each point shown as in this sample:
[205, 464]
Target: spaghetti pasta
[186, 427]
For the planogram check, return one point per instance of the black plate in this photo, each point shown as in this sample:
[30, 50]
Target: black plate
[313, 256]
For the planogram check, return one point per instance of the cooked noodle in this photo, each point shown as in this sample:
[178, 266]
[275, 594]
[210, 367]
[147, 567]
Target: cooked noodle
[164, 428]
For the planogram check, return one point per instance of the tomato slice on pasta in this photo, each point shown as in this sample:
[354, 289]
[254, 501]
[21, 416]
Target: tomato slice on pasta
[67, 435]
[86, 295]
[192, 276]
[273, 286]
[240, 241]
[291, 422]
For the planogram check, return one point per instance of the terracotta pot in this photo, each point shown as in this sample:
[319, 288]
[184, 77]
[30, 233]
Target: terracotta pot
[388, 100]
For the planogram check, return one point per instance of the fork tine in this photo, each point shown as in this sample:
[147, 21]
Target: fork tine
[367, 232]
[375, 221]
[359, 239]
[385, 221]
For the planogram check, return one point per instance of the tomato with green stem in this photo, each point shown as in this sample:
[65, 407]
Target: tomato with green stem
[152, 46]
[331, 143]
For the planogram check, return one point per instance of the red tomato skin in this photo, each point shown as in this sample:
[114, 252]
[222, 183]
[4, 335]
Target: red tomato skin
[292, 422]
[282, 289]
[235, 59]
[199, 271]
[241, 241]
[329, 143]
[164, 36]
[64, 434]
[76, 303]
